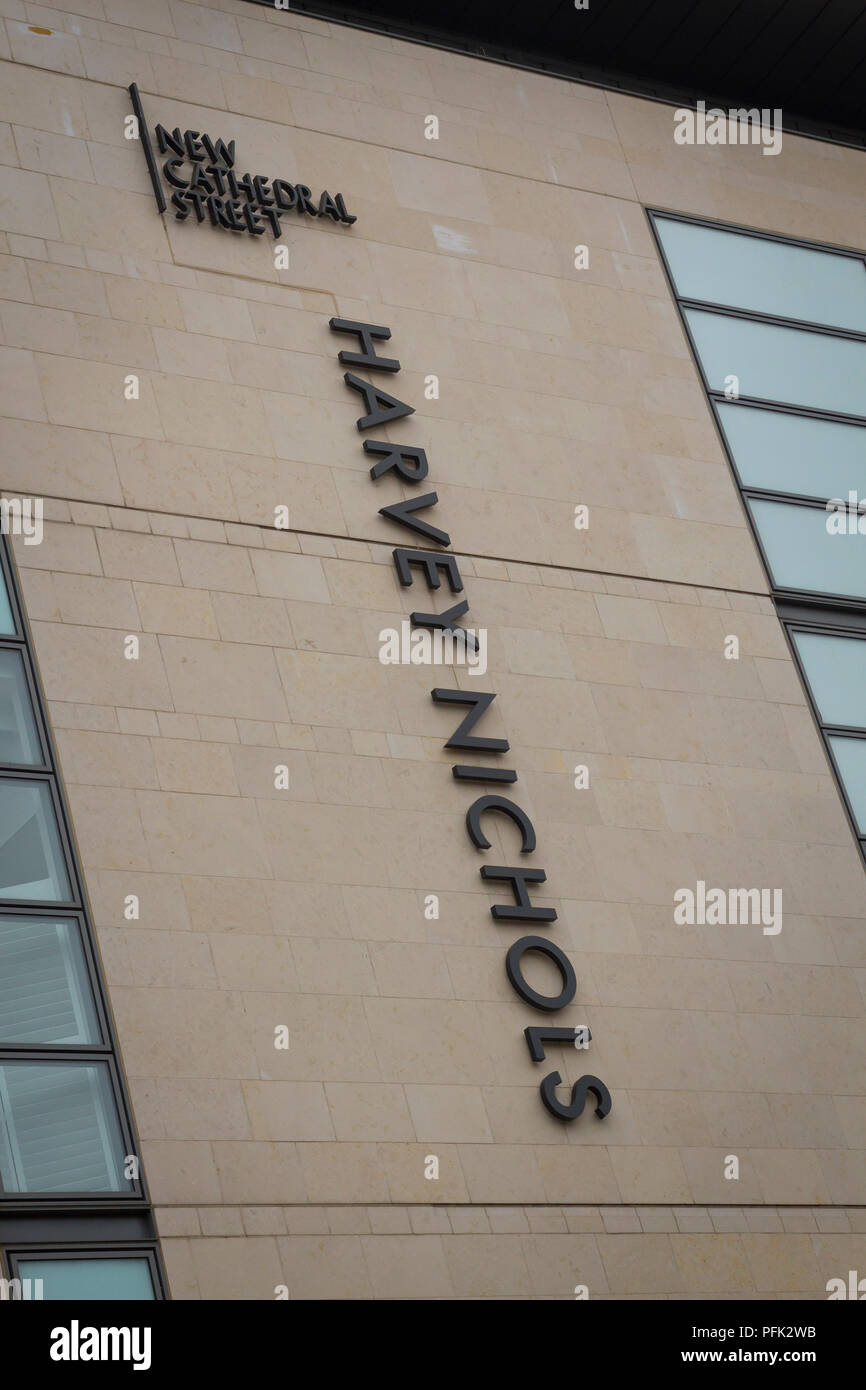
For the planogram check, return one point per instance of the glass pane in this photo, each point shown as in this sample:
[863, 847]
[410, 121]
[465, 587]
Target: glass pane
[90, 1279]
[59, 1130]
[768, 277]
[781, 364]
[31, 862]
[19, 742]
[7, 625]
[803, 555]
[836, 671]
[850, 754]
[45, 994]
[791, 453]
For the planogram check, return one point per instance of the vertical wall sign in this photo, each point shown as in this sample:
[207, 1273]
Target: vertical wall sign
[409, 464]
[200, 176]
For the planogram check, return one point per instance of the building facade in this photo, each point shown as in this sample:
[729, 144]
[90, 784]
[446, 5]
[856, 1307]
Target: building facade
[334, 964]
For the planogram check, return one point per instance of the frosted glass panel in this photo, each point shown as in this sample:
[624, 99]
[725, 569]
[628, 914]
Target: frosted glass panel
[836, 670]
[850, 755]
[791, 453]
[90, 1279]
[19, 742]
[31, 862]
[45, 994]
[7, 626]
[781, 364]
[767, 277]
[803, 555]
[59, 1130]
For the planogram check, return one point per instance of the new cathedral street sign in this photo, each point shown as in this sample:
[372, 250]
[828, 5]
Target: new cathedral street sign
[202, 181]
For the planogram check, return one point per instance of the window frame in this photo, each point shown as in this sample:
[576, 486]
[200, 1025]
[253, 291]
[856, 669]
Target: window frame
[14, 645]
[46, 777]
[755, 315]
[806, 610]
[825, 626]
[772, 407]
[723, 311]
[76, 916]
[25, 1212]
[9, 579]
[720, 225]
[96, 1250]
[59, 1054]
[825, 596]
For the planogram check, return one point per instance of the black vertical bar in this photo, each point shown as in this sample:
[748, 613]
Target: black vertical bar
[144, 136]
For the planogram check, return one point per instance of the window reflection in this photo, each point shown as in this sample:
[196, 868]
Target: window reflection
[31, 860]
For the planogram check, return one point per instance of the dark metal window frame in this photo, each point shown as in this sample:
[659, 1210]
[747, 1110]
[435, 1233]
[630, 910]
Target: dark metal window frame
[13, 644]
[46, 777]
[799, 610]
[25, 1210]
[98, 1250]
[784, 590]
[828, 628]
[795, 325]
[76, 917]
[717, 398]
[770, 407]
[94, 1056]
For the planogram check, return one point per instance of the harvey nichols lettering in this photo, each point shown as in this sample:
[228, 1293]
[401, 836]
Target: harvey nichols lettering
[408, 464]
[201, 173]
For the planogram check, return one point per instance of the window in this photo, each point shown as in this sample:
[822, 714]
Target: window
[802, 554]
[66, 1137]
[59, 1128]
[19, 740]
[771, 363]
[778, 329]
[45, 990]
[89, 1275]
[31, 858]
[850, 756]
[719, 266]
[7, 621]
[834, 667]
[794, 454]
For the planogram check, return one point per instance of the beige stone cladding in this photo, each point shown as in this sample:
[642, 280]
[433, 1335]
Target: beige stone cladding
[304, 907]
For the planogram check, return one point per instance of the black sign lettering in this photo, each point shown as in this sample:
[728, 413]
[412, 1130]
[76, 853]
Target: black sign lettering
[409, 463]
[265, 199]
